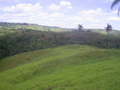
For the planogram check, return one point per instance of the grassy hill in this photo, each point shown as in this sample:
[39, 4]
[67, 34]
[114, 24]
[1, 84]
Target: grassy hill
[73, 67]
[6, 27]
[9, 28]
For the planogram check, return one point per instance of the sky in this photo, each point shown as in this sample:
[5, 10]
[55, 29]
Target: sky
[62, 13]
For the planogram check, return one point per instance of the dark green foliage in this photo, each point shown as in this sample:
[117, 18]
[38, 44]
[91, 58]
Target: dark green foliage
[108, 29]
[29, 40]
[80, 27]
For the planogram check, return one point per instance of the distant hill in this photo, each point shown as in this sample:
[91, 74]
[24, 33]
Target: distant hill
[21, 26]
[102, 31]
[73, 67]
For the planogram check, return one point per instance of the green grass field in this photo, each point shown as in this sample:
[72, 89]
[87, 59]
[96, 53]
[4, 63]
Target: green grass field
[73, 67]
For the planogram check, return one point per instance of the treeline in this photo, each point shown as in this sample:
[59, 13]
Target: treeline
[29, 40]
[9, 24]
[23, 26]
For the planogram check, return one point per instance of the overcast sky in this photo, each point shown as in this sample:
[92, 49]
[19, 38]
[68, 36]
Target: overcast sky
[62, 13]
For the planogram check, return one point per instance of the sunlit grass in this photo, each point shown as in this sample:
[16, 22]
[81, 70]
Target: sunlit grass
[73, 67]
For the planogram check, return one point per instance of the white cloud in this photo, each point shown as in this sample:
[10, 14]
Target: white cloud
[91, 13]
[103, 1]
[23, 17]
[62, 4]
[24, 13]
[66, 4]
[28, 13]
[56, 15]
[76, 18]
[43, 15]
[96, 18]
[106, 1]
[61, 15]
[54, 7]
[113, 18]
[22, 8]
[2, 18]
[69, 7]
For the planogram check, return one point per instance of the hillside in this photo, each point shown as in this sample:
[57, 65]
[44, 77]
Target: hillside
[73, 67]
[102, 31]
[24, 37]
[7, 27]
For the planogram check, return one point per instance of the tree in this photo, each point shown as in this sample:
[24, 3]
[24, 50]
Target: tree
[80, 27]
[114, 3]
[108, 29]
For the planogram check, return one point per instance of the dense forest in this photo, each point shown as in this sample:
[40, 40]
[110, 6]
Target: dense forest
[14, 41]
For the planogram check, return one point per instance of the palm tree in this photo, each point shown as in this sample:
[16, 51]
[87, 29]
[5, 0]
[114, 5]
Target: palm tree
[80, 27]
[108, 29]
[114, 3]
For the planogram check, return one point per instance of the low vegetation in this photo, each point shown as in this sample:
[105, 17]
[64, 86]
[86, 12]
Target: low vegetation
[22, 26]
[14, 42]
[73, 67]
[34, 57]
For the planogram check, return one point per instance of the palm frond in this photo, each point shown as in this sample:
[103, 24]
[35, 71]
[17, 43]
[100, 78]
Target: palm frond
[114, 3]
[118, 11]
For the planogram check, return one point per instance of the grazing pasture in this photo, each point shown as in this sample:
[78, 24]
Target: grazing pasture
[72, 67]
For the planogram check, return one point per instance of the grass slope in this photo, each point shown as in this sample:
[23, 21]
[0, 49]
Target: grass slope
[73, 67]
